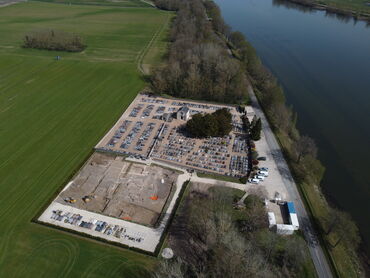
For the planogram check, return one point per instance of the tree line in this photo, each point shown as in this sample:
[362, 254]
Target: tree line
[54, 40]
[198, 65]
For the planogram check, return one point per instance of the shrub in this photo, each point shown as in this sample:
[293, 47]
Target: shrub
[254, 154]
[243, 179]
[255, 162]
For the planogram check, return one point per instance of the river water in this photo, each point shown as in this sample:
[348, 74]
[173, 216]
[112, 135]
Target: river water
[323, 63]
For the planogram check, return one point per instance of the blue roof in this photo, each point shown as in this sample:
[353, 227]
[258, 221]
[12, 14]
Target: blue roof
[291, 208]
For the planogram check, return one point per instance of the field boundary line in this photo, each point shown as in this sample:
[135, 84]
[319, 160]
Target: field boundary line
[149, 3]
[16, 2]
[146, 49]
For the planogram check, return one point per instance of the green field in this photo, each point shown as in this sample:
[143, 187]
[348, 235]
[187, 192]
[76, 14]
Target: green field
[355, 5]
[52, 113]
[119, 3]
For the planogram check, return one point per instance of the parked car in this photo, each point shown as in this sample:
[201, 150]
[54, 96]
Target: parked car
[262, 158]
[263, 173]
[259, 177]
[256, 181]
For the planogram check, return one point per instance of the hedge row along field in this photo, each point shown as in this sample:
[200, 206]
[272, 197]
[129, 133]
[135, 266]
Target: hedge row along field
[52, 113]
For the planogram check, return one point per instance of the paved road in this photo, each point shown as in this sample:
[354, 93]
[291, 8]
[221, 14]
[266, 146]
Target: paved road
[318, 257]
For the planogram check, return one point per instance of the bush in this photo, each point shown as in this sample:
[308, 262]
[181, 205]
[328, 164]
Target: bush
[54, 40]
[243, 179]
[254, 154]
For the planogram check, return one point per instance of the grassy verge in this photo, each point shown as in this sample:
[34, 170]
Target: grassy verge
[122, 3]
[358, 9]
[158, 48]
[218, 177]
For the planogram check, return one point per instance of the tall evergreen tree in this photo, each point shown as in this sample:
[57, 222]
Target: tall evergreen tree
[256, 130]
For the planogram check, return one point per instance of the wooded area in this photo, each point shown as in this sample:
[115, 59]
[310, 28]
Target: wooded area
[211, 238]
[54, 40]
[198, 65]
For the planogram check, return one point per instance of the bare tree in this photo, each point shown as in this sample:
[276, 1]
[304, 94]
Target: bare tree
[340, 225]
[282, 117]
[305, 146]
[171, 269]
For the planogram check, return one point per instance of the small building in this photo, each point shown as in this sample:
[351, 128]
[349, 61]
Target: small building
[183, 113]
[282, 217]
[293, 219]
[284, 229]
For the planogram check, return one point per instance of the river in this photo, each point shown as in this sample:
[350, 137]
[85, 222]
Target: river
[323, 63]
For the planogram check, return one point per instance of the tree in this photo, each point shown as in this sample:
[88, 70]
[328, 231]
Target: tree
[255, 130]
[174, 268]
[217, 124]
[255, 215]
[246, 123]
[282, 117]
[340, 226]
[238, 39]
[254, 120]
[305, 146]
[254, 154]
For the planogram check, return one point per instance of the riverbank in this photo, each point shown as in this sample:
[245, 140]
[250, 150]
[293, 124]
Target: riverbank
[320, 79]
[331, 8]
[307, 175]
[308, 172]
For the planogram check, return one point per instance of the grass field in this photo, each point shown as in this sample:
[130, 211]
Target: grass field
[355, 5]
[52, 113]
[219, 177]
[118, 3]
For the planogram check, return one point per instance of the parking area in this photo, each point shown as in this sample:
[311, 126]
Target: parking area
[272, 181]
[152, 128]
[101, 226]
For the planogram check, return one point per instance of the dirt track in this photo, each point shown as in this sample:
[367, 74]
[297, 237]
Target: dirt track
[8, 3]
